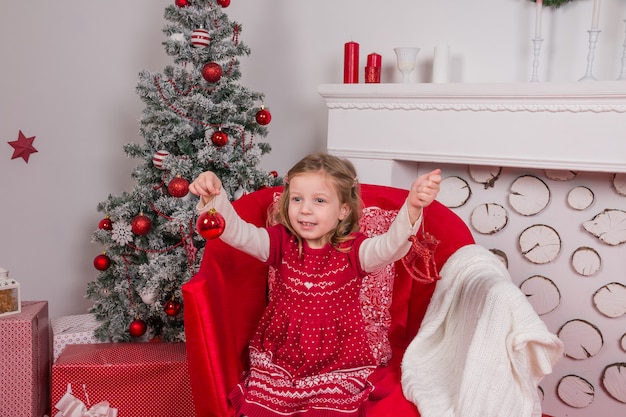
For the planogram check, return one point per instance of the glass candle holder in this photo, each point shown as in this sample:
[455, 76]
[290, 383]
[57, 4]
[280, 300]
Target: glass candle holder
[406, 57]
[372, 74]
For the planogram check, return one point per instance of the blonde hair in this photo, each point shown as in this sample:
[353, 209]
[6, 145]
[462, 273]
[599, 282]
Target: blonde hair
[343, 177]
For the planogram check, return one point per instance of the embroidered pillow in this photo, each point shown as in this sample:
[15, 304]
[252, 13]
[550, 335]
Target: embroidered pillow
[377, 289]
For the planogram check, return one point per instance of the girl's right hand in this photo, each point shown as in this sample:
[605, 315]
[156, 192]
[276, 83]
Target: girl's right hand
[207, 186]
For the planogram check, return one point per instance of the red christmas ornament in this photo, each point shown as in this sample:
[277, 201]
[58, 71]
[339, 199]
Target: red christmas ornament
[178, 187]
[105, 224]
[219, 138]
[274, 174]
[200, 38]
[102, 262]
[212, 72]
[172, 308]
[223, 3]
[137, 328]
[211, 224]
[182, 3]
[141, 224]
[263, 116]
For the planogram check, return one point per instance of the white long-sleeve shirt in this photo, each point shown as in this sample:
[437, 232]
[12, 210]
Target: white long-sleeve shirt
[374, 253]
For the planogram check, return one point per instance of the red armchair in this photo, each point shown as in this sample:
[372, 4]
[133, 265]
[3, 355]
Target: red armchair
[225, 299]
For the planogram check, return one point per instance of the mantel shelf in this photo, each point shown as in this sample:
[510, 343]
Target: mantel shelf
[577, 92]
[569, 126]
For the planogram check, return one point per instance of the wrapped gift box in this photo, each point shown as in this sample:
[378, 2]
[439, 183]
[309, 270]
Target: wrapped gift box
[25, 361]
[72, 330]
[137, 379]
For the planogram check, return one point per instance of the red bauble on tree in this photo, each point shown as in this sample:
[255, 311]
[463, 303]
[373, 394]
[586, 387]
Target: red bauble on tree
[137, 328]
[178, 187]
[212, 72]
[172, 308]
[105, 224]
[223, 3]
[211, 224]
[102, 262]
[263, 116]
[219, 138]
[141, 224]
[182, 3]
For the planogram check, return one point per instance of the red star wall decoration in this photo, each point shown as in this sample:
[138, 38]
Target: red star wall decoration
[23, 147]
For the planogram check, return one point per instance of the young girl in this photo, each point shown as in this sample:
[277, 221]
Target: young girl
[310, 355]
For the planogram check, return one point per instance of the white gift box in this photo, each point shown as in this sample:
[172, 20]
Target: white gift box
[73, 330]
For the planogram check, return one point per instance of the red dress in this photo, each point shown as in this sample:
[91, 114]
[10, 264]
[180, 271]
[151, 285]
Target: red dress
[311, 354]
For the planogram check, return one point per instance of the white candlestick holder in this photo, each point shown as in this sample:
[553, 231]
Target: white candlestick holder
[622, 74]
[593, 40]
[536, 51]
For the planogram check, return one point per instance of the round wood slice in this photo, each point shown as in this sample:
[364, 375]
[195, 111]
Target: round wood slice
[454, 192]
[501, 255]
[486, 175]
[541, 293]
[560, 175]
[489, 218]
[614, 381]
[580, 198]
[540, 244]
[586, 261]
[610, 299]
[619, 183]
[529, 195]
[609, 226]
[582, 339]
[575, 391]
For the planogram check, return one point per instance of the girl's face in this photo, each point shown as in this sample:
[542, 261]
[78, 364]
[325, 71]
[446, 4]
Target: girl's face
[314, 207]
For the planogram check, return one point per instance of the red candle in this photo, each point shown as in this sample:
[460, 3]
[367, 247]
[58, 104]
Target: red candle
[351, 63]
[374, 60]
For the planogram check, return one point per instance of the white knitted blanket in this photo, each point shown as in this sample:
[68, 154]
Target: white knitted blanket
[481, 350]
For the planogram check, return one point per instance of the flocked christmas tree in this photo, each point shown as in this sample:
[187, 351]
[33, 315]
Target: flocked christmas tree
[197, 117]
[554, 3]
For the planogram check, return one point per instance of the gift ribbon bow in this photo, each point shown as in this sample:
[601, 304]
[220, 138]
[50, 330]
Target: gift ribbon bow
[71, 406]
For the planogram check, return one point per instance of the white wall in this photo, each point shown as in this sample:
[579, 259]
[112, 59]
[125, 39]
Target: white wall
[69, 71]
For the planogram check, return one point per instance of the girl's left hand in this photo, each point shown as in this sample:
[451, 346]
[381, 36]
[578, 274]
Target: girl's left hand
[425, 189]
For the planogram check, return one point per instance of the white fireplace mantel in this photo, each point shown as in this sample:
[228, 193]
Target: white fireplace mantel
[577, 126]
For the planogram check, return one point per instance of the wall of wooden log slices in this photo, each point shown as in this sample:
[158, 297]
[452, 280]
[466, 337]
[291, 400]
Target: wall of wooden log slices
[562, 235]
